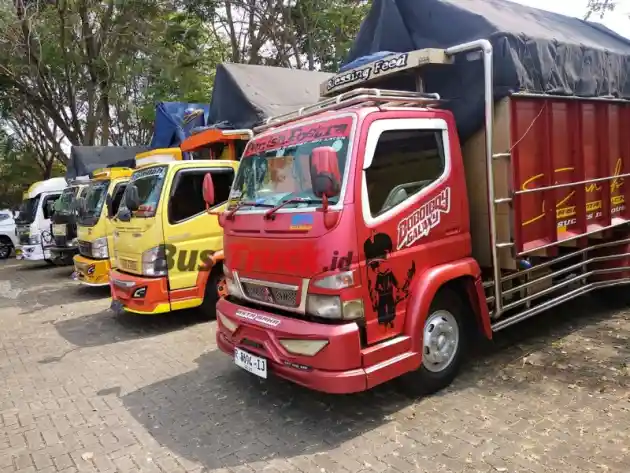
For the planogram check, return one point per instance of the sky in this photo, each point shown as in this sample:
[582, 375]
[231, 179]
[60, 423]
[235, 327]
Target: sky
[618, 20]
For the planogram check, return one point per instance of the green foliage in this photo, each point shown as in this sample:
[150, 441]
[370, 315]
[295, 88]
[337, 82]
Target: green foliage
[599, 8]
[18, 170]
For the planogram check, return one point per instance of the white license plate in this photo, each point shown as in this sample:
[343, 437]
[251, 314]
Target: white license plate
[59, 230]
[252, 363]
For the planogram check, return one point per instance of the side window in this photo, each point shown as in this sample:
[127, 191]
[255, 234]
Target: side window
[117, 196]
[404, 163]
[187, 197]
[48, 206]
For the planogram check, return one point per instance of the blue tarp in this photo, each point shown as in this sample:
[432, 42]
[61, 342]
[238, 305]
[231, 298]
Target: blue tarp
[534, 50]
[175, 120]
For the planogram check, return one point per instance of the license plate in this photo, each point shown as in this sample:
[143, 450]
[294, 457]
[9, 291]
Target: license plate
[59, 230]
[252, 363]
[116, 306]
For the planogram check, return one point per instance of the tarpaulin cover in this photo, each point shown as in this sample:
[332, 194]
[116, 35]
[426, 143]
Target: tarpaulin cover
[175, 120]
[534, 50]
[87, 159]
[244, 94]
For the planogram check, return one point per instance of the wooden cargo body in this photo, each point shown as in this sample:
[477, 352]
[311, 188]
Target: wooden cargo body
[543, 141]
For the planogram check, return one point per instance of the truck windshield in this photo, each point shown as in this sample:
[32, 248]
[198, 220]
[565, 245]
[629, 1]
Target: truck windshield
[64, 204]
[94, 199]
[149, 183]
[28, 210]
[276, 168]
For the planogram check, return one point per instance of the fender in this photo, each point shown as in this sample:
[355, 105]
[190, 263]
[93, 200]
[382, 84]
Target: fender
[426, 288]
[204, 274]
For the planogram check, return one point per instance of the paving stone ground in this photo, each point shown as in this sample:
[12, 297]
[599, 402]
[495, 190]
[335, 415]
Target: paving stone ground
[83, 390]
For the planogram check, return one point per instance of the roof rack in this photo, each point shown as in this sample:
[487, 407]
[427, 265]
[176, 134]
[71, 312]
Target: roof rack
[358, 97]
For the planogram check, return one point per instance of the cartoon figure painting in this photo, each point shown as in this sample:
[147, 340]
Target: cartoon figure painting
[385, 292]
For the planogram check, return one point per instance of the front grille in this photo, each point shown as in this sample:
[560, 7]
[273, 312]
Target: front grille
[24, 239]
[85, 248]
[271, 295]
[127, 264]
[61, 241]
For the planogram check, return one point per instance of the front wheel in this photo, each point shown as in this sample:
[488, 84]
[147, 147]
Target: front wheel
[211, 295]
[6, 247]
[444, 341]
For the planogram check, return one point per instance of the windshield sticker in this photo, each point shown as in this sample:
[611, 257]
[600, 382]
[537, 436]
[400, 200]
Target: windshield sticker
[301, 222]
[316, 132]
[156, 171]
[382, 66]
[420, 223]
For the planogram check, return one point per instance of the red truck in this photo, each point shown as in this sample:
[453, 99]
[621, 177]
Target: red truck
[363, 242]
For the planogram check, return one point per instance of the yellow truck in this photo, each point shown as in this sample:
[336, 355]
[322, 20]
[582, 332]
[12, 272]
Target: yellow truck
[168, 244]
[94, 225]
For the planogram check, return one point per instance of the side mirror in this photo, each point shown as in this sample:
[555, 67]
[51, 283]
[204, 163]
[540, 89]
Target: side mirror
[109, 207]
[132, 199]
[208, 190]
[325, 175]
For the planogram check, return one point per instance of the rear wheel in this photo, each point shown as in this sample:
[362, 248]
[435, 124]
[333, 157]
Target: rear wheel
[6, 247]
[211, 294]
[444, 342]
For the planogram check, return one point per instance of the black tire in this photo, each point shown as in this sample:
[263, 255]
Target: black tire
[6, 247]
[425, 381]
[211, 295]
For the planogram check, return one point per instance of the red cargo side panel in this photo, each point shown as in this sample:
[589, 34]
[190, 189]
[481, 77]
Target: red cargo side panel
[557, 142]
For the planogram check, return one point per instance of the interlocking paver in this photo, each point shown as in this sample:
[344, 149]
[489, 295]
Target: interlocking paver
[84, 390]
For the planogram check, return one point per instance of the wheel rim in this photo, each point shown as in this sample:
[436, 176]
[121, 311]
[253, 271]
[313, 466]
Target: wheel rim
[4, 250]
[440, 341]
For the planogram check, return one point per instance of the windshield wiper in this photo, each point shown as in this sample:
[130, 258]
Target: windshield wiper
[244, 203]
[301, 200]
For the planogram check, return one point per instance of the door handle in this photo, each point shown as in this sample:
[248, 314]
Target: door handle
[453, 231]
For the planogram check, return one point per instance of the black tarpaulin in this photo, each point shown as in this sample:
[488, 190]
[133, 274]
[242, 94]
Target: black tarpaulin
[87, 159]
[244, 95]
[534, 50]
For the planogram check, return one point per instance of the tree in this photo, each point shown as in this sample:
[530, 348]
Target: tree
[92, 66]
[313, 34]
[599, 7]
[19, 168]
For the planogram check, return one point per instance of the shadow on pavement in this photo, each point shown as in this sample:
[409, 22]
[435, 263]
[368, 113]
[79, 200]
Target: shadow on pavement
[222, 417]
[58, 296]
[105, 327]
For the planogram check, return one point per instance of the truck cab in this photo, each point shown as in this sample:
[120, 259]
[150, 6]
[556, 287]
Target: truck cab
[365, 243]
[64, 225]
[168, 243]
[94, 229]
[34, 219]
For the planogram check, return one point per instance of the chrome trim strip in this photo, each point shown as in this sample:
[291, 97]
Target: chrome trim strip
[275, 285]
[301, 309]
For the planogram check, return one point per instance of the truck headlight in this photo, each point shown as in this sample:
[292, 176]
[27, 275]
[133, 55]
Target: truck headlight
[99, 248]
[154, 262]
[328, 307]
[35, 239]
[331, 307]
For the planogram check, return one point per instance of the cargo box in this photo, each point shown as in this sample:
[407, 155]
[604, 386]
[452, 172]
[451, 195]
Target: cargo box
[559, 167]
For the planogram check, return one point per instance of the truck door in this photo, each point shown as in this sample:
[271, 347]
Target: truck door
[47, 204]
[116, 193]
[405, 196]
[188, 228]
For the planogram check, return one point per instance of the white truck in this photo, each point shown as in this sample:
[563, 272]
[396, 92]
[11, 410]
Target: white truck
[8, 237]
[33, 223]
